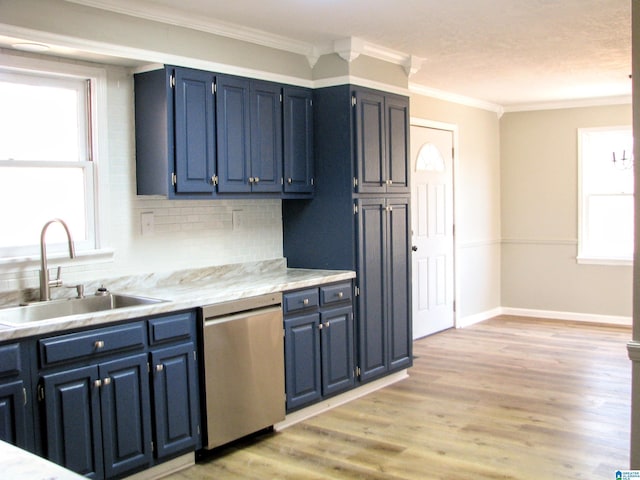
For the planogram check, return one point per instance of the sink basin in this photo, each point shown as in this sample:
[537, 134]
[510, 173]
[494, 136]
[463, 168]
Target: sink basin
[73, 306]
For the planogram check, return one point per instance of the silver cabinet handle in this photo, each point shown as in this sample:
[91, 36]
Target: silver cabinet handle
[99, 344]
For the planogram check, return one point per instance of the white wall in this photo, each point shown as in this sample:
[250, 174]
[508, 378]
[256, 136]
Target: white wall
[539, 172]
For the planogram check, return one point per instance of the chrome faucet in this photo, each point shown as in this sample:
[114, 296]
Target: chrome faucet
[45, 283]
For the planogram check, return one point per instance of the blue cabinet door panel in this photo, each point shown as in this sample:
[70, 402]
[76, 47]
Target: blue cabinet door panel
[194, 131]
[298, 140]
[370, 142]
[175, 399]
[73, 425]
[337, 350]
[126, 417]
[397, 124]
[399, 278]
[233, 129]
[13, 421]
[302, 360]
[266, 137]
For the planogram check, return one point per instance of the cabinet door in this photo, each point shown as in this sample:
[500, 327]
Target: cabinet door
[399, 284]
[337, 350]
[13, 416]
[195, 154]
[372, 303]
[126, 418]
[72, 420]
[370, 142]
[298, 140]
[266, 137]
[302, 360]
[175, 399]
[233, 125]
[397, 148]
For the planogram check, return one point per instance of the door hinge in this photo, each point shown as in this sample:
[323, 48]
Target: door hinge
[213, 88]
[357, 291]
[280, 98]
[353, 101]
[357, 372]
[174, 179]
[153, 447]
[24, 396]
[40, 393]
[355, 182]
[355, 209]
[172, 81]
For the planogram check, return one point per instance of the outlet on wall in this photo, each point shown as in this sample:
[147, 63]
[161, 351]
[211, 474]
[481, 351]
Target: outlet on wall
[147, 223]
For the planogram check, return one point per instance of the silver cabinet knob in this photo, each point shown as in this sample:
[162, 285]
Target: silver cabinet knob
[305, 301]
[97, 383]
[159, 367]
[289, 180]
[106, 381]
[99, 344]
[340, 294]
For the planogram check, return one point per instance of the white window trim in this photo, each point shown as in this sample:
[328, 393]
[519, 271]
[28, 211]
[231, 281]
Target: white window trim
[99, 132]
[582, 258]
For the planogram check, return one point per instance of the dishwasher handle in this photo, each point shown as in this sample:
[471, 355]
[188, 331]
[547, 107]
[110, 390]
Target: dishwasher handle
[240, 315]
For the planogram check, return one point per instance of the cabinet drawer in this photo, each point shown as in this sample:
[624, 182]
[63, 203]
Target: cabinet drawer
[300, 300]
[10, 360]
[93, 342]
[174, 327]
[332, 294]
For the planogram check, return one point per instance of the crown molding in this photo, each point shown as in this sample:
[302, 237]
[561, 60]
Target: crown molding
[455, 98]
[575, 103]
[348, 48]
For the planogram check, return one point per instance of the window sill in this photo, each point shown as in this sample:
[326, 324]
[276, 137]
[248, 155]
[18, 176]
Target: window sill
[89, 257]
[587, 260]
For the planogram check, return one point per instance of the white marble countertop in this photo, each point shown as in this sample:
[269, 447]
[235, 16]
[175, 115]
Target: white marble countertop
[184, 290]
[18, 464]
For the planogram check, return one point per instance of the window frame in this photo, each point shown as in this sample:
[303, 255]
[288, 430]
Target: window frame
[583, 255]
[95, 166]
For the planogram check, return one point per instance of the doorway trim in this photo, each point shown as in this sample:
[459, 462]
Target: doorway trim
[453, 128]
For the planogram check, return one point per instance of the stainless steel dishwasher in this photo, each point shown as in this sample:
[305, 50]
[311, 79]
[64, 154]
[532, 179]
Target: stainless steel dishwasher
[243, 365]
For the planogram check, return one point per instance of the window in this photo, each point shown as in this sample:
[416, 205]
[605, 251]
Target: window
[47, 167]
[606, 190]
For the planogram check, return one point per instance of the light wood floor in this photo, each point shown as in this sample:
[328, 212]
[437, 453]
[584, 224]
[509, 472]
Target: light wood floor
[510, 398]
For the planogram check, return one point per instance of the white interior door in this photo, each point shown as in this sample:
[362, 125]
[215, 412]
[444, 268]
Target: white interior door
[432, 230]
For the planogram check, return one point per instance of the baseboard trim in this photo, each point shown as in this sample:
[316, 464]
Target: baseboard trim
[333, 402]
[573, 316]
[478, 317]
[167, 468]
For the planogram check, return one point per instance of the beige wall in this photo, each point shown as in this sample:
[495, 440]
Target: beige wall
[477, 201]
[539, 216]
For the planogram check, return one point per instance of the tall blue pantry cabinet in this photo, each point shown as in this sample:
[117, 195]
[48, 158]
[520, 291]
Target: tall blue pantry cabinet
[359, 219]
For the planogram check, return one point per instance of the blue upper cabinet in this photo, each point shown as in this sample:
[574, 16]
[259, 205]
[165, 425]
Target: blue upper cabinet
[199, 134]
[381, 142]
[233, 125]
[266, 137]
[195, 142]
[298, 140]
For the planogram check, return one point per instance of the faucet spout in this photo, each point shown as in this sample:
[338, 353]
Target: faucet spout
[45, 283]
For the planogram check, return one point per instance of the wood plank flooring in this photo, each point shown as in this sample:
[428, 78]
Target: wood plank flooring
[510, 398]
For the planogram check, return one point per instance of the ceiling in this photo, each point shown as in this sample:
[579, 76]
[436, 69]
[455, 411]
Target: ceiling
[504, 52]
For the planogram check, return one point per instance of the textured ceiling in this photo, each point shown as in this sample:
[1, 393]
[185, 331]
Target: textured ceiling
[505, 52]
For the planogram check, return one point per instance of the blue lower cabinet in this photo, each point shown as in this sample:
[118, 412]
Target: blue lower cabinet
[16, 419]
[73, 436]
[97, 417]
[319, 344]
[175, 399]
[302, 360]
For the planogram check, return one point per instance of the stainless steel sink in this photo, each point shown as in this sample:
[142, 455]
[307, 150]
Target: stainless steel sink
[73, 306]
